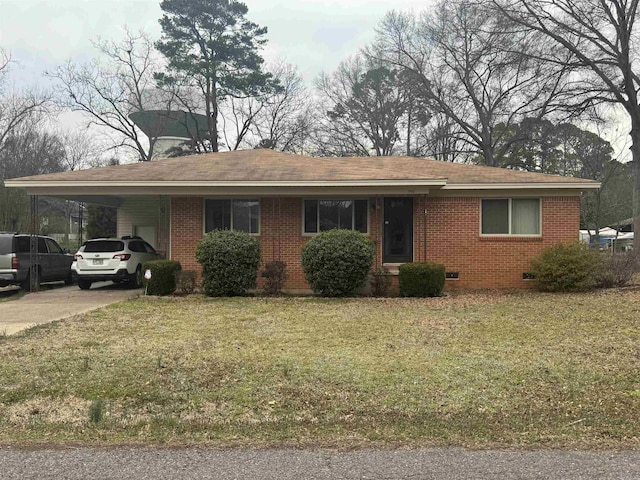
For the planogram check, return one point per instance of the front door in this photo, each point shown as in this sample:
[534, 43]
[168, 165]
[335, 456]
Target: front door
[398, 230]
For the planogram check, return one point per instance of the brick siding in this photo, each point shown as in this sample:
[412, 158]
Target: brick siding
[446, 230]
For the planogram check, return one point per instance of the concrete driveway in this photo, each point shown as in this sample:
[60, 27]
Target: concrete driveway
[57, 303]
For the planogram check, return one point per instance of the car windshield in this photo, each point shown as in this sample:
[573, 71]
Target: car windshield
[104, 246]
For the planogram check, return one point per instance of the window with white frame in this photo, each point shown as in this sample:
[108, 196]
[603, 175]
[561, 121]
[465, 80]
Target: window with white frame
[511, 216]
[323, 215]
[241, 215]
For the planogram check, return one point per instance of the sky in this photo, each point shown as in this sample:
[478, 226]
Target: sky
[310, 34]
[313, 35]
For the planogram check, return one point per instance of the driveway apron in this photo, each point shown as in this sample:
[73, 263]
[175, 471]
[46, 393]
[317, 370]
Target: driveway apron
[58, 303]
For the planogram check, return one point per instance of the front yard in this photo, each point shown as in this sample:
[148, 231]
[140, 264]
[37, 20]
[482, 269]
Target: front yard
[477, 370]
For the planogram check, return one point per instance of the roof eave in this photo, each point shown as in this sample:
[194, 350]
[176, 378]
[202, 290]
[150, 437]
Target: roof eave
[19, 183]
[526, 186]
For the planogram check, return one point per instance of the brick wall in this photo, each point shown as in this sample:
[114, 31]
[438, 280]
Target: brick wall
[447, 233]
[451, 226]
[186, 230]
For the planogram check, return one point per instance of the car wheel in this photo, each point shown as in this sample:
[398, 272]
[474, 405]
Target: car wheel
[84, 284]
[135, 280]
[69, 279]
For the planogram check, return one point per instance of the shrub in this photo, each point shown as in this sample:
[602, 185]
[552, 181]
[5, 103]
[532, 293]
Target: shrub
[96, 411]
[617, 269]
[186, 282]
[380, 282]
[230, 261]
[421, 279]
[274, 273]
[163, 276]
[337, 262]
[566, 267]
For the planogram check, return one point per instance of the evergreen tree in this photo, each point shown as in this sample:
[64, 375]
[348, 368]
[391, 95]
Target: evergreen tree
[213, 49]
[101, 221]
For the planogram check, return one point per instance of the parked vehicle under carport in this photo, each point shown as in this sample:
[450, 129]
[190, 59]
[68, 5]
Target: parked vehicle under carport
[119, 260]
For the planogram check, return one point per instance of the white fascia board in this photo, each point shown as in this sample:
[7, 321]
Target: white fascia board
[236, 184]
[521, 186]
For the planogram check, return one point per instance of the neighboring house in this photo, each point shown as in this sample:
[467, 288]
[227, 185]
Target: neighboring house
[60, 219]
[625, 226]
[484, 224]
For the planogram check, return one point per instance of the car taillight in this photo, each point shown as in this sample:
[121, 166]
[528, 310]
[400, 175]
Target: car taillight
[15, 263]
[122, 256]
[77, 257]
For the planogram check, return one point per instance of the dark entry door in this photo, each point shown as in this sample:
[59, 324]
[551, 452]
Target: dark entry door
[398, 230]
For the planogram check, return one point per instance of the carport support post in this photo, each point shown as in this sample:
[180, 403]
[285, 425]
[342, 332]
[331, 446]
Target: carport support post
[80, 221]
[34, 281]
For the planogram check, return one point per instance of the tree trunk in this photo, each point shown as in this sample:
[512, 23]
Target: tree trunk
[489, 158]
[636, 198]
[409, 131]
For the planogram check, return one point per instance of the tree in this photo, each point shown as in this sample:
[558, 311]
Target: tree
[473, 69]
[439, 137]
[610, 204]
[286, 119]
[212, 48]
[364, 103]
[601, 38]
[115, 84]
[101, 221]
[27, 150]
[79, 151]
[17, 106]
[542, 146]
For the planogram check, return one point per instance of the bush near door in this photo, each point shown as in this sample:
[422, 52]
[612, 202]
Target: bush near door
[337, 262]
[421, 279]
[230, 261]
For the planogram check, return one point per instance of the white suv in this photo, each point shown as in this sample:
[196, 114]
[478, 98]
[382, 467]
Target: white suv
[117, 259]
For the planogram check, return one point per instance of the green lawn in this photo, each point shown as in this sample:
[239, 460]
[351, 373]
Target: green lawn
[476, 370]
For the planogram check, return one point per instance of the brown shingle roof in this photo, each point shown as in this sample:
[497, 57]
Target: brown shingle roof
[267, 165]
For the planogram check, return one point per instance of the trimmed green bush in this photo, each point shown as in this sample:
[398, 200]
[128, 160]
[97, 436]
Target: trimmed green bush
[566, 267]
[230, 261]
[337, 262]
[163, 276]
[421, 279]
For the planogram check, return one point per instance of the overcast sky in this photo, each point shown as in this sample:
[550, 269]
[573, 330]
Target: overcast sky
[314, 35]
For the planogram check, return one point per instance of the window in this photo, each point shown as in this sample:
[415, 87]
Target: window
[53, 246]
[137, 247]
[242, 215]
[103, 246]
[323, 215]
[512, 216]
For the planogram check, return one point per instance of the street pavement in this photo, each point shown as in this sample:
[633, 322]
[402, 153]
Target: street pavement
[285, 464]
[56, 303]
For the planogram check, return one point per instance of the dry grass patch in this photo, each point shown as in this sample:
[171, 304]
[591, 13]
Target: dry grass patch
[478, 370]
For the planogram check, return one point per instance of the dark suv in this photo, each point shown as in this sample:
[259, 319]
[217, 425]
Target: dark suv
[53, 263]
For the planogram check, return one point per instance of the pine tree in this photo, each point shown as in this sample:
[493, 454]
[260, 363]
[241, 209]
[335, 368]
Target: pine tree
[211, 47]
